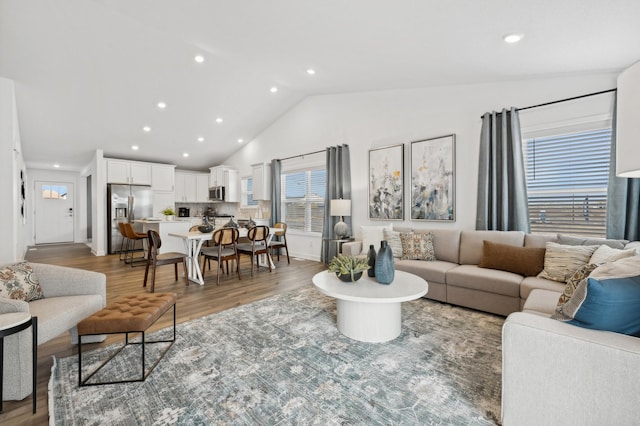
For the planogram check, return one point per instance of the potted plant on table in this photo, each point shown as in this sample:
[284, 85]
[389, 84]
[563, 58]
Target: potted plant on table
[169, 213]
[348, 268]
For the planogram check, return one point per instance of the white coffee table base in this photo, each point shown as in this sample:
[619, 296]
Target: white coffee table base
[369, 322]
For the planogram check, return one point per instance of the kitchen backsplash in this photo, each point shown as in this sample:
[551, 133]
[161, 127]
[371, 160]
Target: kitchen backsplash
[263, 211]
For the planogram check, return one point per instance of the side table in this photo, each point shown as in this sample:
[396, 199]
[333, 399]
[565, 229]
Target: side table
[338, 241]
[14, 323]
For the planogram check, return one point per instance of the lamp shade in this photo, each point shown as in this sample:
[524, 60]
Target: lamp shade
[341, 207]
[628, 123]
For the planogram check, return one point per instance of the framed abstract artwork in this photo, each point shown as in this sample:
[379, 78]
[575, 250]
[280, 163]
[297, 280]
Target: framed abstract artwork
[386, 183]
[433, 178]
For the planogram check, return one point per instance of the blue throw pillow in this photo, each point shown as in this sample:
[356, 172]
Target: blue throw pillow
[611, 304]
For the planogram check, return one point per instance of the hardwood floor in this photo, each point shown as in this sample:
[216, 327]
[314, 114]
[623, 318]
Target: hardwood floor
[194, 301]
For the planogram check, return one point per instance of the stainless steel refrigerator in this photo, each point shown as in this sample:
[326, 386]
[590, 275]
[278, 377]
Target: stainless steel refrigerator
[126, 203]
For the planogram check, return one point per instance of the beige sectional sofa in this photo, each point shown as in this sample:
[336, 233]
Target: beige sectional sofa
[70, 295]
[456, 278]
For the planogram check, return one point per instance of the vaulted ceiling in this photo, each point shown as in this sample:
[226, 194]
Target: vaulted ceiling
[89, 74]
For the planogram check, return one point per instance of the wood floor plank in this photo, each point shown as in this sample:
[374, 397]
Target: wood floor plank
[194, 301]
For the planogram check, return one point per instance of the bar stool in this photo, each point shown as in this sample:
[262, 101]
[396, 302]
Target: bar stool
[12, 323]
[134, 236]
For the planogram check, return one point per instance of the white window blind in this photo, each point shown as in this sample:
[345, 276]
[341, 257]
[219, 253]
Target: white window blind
[567, 177]
[303, 199]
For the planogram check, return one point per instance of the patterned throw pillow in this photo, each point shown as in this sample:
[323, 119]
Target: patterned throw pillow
[417, 246]
[572, 283]
[561, 261]
[393, 239]
[19, 282]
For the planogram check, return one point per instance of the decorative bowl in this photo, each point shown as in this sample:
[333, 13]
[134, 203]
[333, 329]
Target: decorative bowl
[205, 228]
[347, 277]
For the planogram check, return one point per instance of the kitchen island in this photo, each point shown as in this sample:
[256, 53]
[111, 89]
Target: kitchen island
[164, 228]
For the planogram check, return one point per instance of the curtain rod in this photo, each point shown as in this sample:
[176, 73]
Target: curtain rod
[565, 100]
[302, 155]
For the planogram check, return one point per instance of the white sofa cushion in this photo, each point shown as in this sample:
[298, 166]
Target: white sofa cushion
[372, 235]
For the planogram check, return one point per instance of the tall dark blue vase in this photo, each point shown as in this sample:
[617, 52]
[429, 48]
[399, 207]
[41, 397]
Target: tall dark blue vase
[385, 269]
[371, 260]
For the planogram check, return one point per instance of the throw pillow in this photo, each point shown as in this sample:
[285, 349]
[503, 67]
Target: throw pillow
[417, 246]
[610, 304]
[20, 283]
[580, 241]
[627, 267]
[393, 239]
[607, 254]
[372, 235]
[526, 261]
[572, 283]
[560, 261]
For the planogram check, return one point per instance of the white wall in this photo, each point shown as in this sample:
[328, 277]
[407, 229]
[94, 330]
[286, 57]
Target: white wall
[11, 163]
[377, 119]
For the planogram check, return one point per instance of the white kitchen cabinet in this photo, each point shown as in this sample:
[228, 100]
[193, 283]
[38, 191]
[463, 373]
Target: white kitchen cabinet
[162, 177]
[229, 178]
[128, 172]
[191, 187]
[261, 177]
[202, 187]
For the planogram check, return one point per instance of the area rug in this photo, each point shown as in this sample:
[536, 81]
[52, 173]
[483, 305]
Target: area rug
[282, 361]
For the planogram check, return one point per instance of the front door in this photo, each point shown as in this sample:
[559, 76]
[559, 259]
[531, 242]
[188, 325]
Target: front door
[54, 215]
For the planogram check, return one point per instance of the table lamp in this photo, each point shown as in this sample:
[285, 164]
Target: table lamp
[341, 208]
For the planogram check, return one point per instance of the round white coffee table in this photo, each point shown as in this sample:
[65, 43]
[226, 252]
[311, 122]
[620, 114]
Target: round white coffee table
[369, 311]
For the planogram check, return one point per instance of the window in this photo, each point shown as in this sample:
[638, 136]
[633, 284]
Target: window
[567, 178]
[57, 192]
[303, 199]
[247, 193]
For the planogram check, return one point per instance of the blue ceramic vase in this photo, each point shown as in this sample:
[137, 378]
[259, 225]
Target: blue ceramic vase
[385, 268]
[371, 260]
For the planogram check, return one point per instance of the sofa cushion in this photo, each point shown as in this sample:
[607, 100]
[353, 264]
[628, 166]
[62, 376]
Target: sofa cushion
[526, 261]
[607, 304]
[539, 240]
[393, 239]
[488, 280]
[417, 246]
[19, 282]
[471, 243]
[530, 284]
[541, 302]
[605, 254]
[372, 235]
[583, 241]
[574, 281]
[432, 272]
[560, 261]
[446, 243]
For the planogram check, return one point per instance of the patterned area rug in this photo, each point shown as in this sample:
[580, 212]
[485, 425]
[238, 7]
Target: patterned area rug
[282, 361]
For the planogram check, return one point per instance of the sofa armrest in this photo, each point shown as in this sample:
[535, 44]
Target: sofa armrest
[552, 370]
[8, 306]
[352, 248]
[62, 281]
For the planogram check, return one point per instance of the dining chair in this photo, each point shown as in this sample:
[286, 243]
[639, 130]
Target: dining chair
[279, 240]
[224, 249]
[155, 259]
[132, 238]
[257, 245]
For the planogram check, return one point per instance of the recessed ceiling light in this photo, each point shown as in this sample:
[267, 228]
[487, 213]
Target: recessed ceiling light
[134, 147]
[311, 71]
[199, 59]
[240, 140]
[200, 139]
[56, 166]
[162, 105]
[146, 129]
[513, 38]
[219, 120]
[186, 154]
[274, 89]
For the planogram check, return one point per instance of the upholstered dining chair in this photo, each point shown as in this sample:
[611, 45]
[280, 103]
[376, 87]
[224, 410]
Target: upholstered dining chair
[257, 245]
[155, 259]
[279, 240]
[225, 248]
[132, 238]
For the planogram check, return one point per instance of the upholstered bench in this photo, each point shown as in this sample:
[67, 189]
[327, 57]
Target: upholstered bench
[131, 313]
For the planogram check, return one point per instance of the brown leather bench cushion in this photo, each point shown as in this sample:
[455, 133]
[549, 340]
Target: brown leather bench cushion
[128, 313]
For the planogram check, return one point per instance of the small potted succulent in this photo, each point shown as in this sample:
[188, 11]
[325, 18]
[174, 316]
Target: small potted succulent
[348, 268]
[169, 213]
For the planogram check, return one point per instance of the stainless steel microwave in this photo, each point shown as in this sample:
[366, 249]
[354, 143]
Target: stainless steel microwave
[216, 193]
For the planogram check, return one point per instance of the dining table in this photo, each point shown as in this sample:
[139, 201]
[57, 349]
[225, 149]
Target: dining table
[193, 241]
